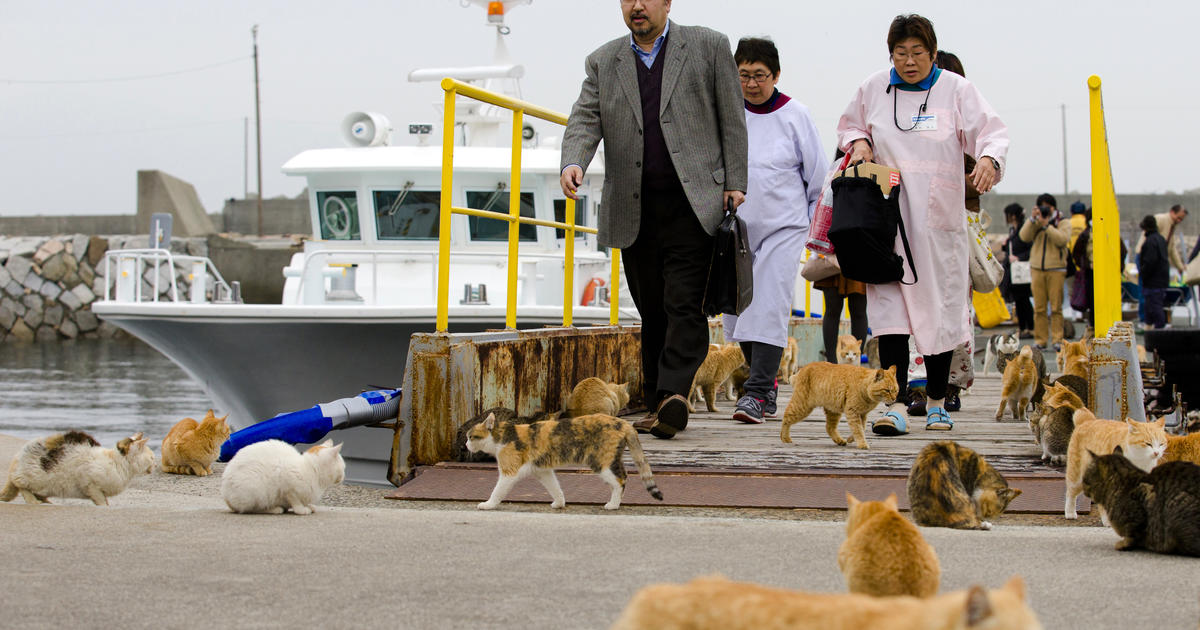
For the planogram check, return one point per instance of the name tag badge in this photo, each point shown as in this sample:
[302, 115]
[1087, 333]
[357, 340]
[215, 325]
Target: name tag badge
[924, 122]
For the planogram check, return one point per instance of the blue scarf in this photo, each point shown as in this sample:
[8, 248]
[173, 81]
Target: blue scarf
[920, 86]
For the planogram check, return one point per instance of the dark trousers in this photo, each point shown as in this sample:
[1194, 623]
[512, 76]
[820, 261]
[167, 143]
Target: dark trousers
[1021, 295]
[1156, 315]
[763, 359]
[831, 324]
[667, 269]
[893, 350]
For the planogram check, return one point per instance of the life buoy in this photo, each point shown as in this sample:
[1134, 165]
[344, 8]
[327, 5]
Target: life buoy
[589, 291]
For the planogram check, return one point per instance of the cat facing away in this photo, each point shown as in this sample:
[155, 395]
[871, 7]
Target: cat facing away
[852, 390]
[73, 465]
[1157, 510]
[789, 361]
[596, 441]
[1073, 359]
[191, 447]
[718, 366]
[715, 603]
[593, 395]
[849, 350]
[884, 553]
[953, 486]
[1002, 359]
[1053, 422]
[272, 476]
[1183, 448]
[1142, 443]
[1020, 379]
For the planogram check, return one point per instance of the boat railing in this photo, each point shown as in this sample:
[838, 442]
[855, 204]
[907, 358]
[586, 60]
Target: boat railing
[131, 264]
[331, 263]
[519, 108]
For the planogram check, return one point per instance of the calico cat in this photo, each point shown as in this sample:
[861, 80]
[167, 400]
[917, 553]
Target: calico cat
[787, 362]
[1157, 510]
[884, 553]
[1073, 358]
[849, 350]
[1020, 378]
[592, 395]
[73, 465]
[715, 603]
[1003, 358]
[850, 389]
[596, 441]
[1143, 443]
[459, 452]
[191, 447]
[998, 345]
[1053, 422]
[270, 477]
[1183, 448]
[717, 367]
[953, 486]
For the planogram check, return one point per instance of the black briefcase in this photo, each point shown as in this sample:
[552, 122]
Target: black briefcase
[731, 270]
[863, 231]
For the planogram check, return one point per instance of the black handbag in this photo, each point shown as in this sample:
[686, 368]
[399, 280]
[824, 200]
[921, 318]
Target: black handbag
[730, 286]
[863, 231]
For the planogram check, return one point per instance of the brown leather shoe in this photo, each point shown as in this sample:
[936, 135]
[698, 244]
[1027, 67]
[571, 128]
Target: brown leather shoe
[672, 417]
[645, 424]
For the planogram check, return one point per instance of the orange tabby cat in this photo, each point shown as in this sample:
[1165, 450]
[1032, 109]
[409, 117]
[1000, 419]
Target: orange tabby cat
[1073, 358]
[884, 553]
[1142, 443]
[592, 395]
[191, 447]
[787, 362]
[718, 366]
[715, 603]
[1020, 379]
[850, 389]
[849, 350]
[1183, 448]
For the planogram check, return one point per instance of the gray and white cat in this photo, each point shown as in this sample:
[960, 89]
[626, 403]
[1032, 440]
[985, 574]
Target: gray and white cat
[73, 465]
[270, 477]
[999, 345]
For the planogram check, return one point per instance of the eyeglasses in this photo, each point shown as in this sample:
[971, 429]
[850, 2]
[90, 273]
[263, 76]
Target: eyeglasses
[757, 77]
[914, 55]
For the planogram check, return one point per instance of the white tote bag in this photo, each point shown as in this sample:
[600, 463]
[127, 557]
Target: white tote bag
[986, 271]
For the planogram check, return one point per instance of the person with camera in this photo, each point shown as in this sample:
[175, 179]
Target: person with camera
[1048, 267]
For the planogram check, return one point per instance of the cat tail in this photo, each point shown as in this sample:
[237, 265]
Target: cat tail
[639, 458]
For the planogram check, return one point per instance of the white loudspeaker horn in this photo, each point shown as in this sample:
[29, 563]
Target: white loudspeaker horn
[366, 129]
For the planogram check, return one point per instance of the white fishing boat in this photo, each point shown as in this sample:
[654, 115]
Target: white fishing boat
[366, 279]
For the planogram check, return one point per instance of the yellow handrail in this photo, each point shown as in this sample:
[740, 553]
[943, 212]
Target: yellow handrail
[1106, 221]
[519, 109]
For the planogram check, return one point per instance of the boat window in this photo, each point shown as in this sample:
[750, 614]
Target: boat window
[407, 214]
[483, 229]
[560, 215]
[337, 211]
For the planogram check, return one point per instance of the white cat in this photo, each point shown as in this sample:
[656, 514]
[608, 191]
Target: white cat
[73, 465]
[272, 476]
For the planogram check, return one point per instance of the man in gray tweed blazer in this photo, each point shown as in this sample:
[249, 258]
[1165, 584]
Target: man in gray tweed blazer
[667, 103]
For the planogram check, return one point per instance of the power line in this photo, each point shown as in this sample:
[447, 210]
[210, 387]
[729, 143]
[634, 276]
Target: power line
[121, 132]
[130, 78]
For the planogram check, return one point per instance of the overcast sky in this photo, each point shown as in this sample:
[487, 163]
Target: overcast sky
[73, 139]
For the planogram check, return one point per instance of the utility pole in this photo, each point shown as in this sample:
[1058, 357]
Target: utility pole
[1066, 189]
[245, 157]
[258, 130]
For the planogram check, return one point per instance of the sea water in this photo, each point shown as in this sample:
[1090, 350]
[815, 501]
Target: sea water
[110, 388]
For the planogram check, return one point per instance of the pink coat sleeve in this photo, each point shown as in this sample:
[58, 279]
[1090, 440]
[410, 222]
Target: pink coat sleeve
[853, 123]
[983, 133]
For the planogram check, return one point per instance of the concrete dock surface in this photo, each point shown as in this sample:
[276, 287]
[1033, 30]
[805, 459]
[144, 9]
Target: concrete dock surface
[168, 553]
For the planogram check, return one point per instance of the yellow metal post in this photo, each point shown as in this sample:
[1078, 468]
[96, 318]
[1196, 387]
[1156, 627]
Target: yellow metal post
[614, 290]
[807, 290]
[569, 264]
[443, 288]
[514, 226]
[1106, 220]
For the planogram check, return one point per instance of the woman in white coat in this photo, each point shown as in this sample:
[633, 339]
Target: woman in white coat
[786, 168]
[920, 120]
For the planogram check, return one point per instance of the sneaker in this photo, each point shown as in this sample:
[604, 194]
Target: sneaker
[769, 407]
[952, 401]
[749, 410]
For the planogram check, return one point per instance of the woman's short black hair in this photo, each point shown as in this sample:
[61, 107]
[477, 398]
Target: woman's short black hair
[912, 25]
[949, 61]
[1014, 211]
[1047, 199]
[757, 49]
[1149, 223]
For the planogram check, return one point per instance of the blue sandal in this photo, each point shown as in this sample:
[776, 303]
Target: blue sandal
[936, 419]
[891, 423]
